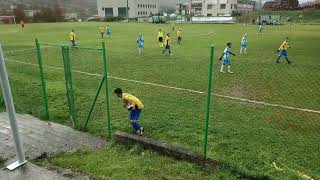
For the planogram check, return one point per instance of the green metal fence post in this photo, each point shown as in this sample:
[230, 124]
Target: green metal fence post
[208, 101]
[42, 79]
[105, 64]
[69, 84]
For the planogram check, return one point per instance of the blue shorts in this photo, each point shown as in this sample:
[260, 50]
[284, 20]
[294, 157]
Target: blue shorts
[140, 45]
[283, 53]
[244, 45]
[226, 62]
[135, 114]
[167, 47]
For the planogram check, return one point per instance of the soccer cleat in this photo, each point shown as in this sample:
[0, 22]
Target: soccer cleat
[230, 72]
[171, 54]
[141, 131]
[222, 72]
[289, 62]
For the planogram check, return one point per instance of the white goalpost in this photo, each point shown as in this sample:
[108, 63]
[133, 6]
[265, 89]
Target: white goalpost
[7, 20]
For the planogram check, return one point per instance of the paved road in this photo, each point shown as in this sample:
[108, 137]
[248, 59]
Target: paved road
[40, 138]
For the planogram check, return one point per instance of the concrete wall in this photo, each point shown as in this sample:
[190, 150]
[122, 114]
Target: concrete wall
[137, 8]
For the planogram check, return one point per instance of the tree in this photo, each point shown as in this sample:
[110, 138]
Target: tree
[19, 14]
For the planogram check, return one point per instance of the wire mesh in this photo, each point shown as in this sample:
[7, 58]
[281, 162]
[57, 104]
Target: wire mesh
[24, 80]
[267, 116]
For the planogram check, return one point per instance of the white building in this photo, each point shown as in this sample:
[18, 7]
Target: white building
[214, 7]
[118, 8]
[71, 16]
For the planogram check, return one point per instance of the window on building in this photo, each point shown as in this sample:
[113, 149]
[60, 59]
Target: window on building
[222, 6]
[209, 15]
[148, 5]
[103, 9]
[122, 11]
[138, 12]
[209, 6]
[235, 6]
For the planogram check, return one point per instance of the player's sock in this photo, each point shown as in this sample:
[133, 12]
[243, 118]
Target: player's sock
[136, 125]
[221, 70]
[278, 59]
[229, 69]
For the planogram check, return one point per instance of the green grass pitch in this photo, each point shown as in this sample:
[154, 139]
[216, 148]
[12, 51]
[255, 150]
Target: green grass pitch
[265, 114]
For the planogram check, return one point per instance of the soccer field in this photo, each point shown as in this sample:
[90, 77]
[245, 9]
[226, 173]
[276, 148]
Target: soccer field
[264, 117]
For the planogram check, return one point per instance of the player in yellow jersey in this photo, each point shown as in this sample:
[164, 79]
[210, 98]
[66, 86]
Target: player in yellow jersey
[167, 45]
[179, 34]
[72, 38]
[283, 51]
[101, 30]
[160, 38]
[134, 106]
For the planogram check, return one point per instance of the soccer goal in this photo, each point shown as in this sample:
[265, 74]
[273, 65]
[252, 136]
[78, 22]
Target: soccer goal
[7, 20]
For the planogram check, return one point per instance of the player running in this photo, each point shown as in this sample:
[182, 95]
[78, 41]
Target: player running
[244, 44]
[72, 37]
[167, 45]
[108, 31]
[179, 34]
[134, 106]
[283, 51]
[140, 42]
[160, 38]
[101, 30]
[226, 59]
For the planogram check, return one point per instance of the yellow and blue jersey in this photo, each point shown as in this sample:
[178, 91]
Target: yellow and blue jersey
[179, 33]
[101, 29]
[72, 36]
[284, 46]
[168, 41]
[134, 101]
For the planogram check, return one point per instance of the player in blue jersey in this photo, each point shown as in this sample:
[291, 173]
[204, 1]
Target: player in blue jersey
[244, 44]
[140, 42]
[226, 59]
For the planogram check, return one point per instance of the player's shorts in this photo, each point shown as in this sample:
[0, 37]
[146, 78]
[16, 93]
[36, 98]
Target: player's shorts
[140, 45]
[244, 45]
[226, 62]
[135, 114]
[160, 39]
[283, 53]
[108, 32]
[167, 47]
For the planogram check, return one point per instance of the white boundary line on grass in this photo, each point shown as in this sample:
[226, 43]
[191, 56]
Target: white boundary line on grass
[177, 88]
[12, 51]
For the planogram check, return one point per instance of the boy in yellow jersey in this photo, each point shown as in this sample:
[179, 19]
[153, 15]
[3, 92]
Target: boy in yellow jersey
[72, 37]
[179, 34]
[101, 30]
[160, 38]
[283, 51]
[134, 106]
[167, 45]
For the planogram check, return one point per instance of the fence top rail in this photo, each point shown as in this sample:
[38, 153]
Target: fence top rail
[62, 45]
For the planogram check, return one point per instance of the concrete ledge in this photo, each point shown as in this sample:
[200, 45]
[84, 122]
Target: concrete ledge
[165, 149]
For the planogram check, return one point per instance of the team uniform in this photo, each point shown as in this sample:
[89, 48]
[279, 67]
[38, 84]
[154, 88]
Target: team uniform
[283, 51]
[244, 44]
[179, 34]
[160, 38]
[226, 60]
[22, 24]
[140, 42]
[135, 107]
[72, 37]
[101, 30]
[167, 45]
[260, 28]
[108, 31]
[226, 56]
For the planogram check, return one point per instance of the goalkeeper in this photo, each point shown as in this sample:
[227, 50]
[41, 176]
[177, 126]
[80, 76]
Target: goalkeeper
[134, 106]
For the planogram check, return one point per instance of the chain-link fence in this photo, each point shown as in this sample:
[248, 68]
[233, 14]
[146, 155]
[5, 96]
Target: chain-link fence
[264, 117]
